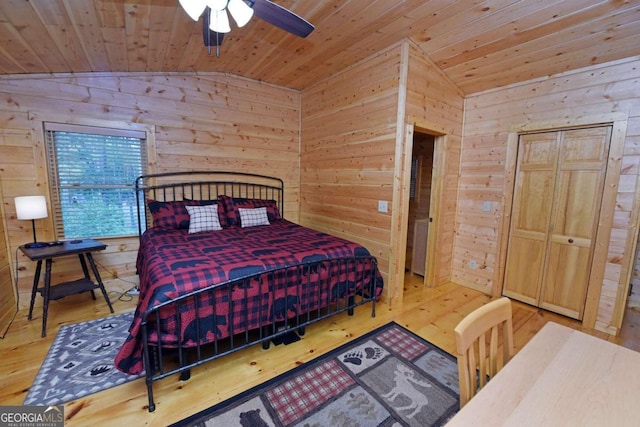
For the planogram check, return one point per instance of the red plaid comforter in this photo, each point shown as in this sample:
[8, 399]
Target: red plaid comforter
[172, 263]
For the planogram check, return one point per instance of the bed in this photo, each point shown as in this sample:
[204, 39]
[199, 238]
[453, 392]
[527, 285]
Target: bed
[221, 269]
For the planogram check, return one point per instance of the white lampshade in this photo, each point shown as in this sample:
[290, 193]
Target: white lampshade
[31, 207]
[194, 8]
[240, 11]
[219, 21]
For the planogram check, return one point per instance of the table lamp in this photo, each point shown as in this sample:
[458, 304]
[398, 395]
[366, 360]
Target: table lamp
[32, 207]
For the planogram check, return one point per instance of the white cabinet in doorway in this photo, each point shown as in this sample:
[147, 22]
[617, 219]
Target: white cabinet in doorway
[419, 256]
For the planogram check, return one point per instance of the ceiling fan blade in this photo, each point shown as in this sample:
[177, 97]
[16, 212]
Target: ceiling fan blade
[194, 8]
[281, 17]
[240, 11]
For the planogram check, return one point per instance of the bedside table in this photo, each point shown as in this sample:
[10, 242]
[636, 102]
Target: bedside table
[82, 248]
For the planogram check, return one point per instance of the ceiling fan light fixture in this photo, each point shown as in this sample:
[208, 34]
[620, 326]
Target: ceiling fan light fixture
[194, 8]
[216, 4]
[219, 21]
[240, 11]
[215, 19]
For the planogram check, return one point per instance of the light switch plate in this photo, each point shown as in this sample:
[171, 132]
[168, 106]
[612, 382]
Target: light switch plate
[383, 206]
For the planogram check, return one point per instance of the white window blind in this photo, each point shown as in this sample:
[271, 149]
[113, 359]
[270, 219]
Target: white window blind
[92, 171]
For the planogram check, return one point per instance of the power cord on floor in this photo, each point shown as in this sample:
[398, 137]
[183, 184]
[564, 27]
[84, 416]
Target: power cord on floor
[127, 295]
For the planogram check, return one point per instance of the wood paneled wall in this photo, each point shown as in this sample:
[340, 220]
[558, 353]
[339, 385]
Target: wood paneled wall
[353, 153]
[347, 153]
[199, 121]
[436, 106]
[7, 297]
[596, 94]
[340, 147]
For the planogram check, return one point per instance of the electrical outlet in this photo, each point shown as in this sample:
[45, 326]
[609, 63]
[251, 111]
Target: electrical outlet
[383, 206]
[473, 264]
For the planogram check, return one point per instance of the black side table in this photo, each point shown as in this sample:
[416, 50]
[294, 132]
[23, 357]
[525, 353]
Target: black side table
[82, 248]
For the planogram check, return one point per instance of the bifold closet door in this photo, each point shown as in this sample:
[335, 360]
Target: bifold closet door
[557, 200]
[579, 185]
[530, 216]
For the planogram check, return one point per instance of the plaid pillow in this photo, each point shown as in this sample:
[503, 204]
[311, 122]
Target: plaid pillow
[203, 218]
[221, 212]
[232, 204]
[172, 215]
[253, 217]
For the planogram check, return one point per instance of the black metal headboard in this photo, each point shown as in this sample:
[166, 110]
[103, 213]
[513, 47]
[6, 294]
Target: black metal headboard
[204, 185]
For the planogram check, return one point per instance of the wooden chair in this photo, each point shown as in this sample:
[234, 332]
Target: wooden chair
[478, 360]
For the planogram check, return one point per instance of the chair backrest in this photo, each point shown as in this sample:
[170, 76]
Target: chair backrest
[478, 359]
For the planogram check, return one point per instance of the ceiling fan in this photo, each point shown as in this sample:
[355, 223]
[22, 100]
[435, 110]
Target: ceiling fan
[215, 23]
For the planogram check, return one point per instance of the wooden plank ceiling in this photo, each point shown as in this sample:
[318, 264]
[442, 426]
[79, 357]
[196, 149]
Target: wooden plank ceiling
[478, 44]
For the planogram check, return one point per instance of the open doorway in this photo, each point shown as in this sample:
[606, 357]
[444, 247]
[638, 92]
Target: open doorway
[419, 202]
[431, 141]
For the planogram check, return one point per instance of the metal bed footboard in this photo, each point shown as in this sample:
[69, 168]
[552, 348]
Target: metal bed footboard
[307, 298]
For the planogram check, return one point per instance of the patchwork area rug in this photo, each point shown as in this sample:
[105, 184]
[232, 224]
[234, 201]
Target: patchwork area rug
[80, 361]
[388, 377]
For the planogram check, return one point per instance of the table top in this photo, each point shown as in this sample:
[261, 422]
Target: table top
[69, 247]
[562, 377]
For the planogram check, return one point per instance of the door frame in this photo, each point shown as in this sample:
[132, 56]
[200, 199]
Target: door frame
[435, 210]
[435, 203]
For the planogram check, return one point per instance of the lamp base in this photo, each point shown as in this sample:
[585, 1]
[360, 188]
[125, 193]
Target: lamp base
[35, 245]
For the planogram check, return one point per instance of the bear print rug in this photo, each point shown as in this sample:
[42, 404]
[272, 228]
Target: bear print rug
[388, 377]
[80, 361]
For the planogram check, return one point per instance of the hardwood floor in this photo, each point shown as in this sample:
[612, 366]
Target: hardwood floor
[431, 313]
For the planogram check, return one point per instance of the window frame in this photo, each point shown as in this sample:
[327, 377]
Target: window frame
[144, 133]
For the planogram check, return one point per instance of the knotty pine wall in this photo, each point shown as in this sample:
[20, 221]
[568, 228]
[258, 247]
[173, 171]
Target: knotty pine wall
[436, 106]
[7, 297]
[198, 122]
[353, 142]
[585, 95]
[347, 160]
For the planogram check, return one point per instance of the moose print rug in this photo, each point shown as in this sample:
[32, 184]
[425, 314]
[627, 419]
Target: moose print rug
[388, 377]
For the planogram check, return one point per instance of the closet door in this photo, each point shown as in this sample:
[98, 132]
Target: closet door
[578, 191]
[530, 216]
[556, 206]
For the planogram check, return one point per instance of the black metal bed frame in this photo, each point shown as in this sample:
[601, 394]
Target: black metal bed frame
[207, 185]
[203, 185]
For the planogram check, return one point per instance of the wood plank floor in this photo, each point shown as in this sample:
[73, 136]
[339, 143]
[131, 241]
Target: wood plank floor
[431, 313]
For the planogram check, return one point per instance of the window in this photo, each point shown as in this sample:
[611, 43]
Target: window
[92, 171]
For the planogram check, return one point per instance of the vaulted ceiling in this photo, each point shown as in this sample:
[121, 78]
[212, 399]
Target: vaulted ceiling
[479, 44]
